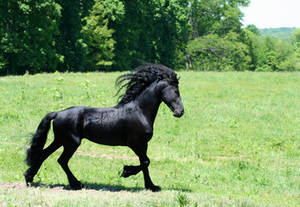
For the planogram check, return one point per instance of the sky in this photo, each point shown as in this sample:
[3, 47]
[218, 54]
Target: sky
[272, 13]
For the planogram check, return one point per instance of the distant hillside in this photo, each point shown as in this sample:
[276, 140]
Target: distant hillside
[281, 33]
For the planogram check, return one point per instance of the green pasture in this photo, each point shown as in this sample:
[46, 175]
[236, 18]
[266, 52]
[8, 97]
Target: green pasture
[238, 143]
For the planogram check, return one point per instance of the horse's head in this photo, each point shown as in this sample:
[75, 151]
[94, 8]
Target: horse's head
[170, 95]
[162, 78]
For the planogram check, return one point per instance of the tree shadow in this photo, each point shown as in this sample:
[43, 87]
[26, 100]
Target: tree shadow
[101, 186]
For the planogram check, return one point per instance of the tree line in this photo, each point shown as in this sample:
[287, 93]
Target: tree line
[283, 33]
[93, 35]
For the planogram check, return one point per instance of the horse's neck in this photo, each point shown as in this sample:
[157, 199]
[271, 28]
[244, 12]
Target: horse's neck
[149, 102]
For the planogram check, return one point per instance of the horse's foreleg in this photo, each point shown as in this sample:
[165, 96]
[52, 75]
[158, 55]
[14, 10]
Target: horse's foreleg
[141, 152]
[148, 182]
[63, 160]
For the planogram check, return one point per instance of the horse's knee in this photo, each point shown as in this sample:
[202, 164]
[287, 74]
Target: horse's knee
[145, 163]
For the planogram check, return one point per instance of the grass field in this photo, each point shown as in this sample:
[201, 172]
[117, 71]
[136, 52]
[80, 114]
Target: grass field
[238, 143]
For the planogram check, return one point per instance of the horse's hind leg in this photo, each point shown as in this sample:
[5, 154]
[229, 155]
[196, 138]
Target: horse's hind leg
[31, 172]
[63, 160]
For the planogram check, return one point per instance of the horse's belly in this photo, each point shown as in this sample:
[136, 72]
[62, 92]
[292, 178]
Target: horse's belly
[112, 141]
[106, 136]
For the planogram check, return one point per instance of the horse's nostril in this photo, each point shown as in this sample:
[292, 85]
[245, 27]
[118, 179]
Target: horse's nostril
[178, 113]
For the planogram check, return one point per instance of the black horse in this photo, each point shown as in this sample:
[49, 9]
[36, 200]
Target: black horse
[129, 123]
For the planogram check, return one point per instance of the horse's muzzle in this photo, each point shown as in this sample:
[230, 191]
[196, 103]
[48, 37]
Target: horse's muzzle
[178, 113]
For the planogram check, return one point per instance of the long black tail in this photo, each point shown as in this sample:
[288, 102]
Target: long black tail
[39, 139]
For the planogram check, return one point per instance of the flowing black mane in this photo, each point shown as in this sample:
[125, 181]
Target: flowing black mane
[144, 75]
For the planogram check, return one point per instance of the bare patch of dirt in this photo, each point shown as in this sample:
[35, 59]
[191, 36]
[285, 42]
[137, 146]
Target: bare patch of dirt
[22, 186]
[59, 188]
[12, 185]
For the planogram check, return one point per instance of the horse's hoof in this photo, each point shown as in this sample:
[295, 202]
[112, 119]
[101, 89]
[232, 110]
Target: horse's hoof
[76, 186]
[127, 171]
[28, 179]
[154, 188]
[28, 182]
[125, 174]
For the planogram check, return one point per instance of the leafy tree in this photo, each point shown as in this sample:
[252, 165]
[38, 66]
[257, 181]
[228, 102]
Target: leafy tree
[114, 9]
[276, 54]
[296, 39]
[69, 42]
[212, 52]
[49, 35]
[216, 16]
[131, 33]
[268, 53]
[296, 35]
[27, 30]
[250, 39]
[217, 36]
[171, 31]
[98, 39]
[292, 61]
[152, 31]
[252, 28]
